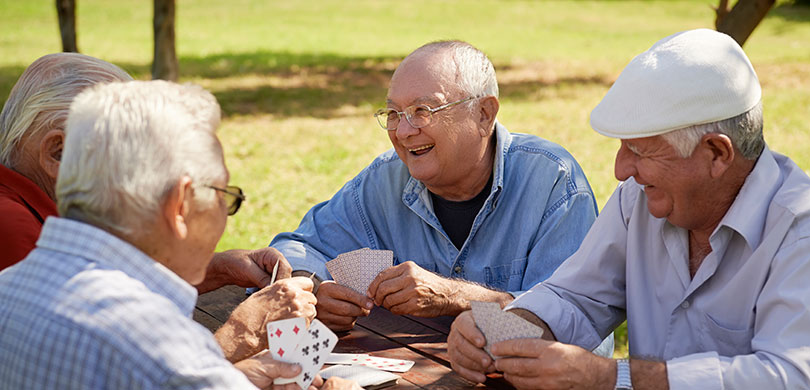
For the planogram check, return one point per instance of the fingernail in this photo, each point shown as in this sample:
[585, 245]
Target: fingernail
[369, 305]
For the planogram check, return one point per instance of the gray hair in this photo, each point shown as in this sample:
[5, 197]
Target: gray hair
[126, 146]
[41, 97]
[744, 130]
[474, 73]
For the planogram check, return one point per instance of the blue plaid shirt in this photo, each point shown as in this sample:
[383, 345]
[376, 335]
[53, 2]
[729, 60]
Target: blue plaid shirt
[86, 310]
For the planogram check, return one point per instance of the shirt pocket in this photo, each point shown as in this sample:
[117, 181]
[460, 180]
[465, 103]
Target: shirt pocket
[726, 341]
[507, 277]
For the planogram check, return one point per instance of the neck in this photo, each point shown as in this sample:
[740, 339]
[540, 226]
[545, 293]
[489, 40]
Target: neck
[32, 172]
[726, 192]
[472, 183]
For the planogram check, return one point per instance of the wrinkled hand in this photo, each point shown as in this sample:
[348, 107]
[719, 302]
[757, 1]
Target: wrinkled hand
[410, 289]
[543, 364]
[336, 383]
[261, 370]
[244, 268]
[245, 332]
[465, 345]
[339, 306]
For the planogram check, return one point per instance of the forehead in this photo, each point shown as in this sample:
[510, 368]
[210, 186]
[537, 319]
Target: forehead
[422, 79]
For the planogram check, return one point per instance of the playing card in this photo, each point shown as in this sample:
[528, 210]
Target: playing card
[385, 364]
[498, 325]
[312, 351]
[283, 337]
[366, 377]
[345, 358]
[357, 269]
[275, 272]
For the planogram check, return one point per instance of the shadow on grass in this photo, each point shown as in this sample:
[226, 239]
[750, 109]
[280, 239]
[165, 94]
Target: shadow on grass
[305, 85]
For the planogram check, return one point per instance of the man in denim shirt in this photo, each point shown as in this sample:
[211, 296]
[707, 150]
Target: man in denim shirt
[471, 211]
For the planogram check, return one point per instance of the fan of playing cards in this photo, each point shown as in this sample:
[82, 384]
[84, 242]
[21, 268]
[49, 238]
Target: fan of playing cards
[498, 325]
[290, 341]
[357, 269]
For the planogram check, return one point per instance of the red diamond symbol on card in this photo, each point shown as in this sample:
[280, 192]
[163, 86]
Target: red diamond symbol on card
[296, 329]
[280, 352]
[278, 332]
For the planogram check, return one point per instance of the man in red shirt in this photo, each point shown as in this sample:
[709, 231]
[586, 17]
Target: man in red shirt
[31, 138]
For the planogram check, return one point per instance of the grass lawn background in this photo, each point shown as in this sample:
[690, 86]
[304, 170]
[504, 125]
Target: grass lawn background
[298, 81]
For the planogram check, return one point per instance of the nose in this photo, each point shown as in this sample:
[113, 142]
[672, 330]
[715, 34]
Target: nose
[625, 165]
[404, 129]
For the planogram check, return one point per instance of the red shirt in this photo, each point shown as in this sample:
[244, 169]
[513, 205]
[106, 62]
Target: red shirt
[23, 209]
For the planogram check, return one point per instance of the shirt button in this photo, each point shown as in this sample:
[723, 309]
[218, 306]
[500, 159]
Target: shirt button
[685, 305]
[457, 269]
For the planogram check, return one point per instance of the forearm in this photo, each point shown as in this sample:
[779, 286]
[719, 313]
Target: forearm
[214, 277]
[236, 338]
[648, 375]
[461, 293]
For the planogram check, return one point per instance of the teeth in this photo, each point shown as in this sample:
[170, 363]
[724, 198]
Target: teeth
[421, 148]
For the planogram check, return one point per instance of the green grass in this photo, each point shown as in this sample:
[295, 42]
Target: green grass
[298, 81]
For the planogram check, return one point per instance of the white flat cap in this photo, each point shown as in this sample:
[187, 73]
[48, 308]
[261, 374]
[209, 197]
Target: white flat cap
[692, 77]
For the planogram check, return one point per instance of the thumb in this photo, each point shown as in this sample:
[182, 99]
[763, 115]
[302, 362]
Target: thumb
[275, 368]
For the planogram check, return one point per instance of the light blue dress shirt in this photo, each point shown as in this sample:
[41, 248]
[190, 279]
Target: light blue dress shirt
[538, 211]
[742, 322]
[86, 310]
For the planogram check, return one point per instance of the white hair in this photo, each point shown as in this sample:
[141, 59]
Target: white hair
[744, 130]
[126, 146]
[474, 73]
[41, 97]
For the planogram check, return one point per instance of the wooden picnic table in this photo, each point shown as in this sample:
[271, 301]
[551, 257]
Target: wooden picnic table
[383, 334]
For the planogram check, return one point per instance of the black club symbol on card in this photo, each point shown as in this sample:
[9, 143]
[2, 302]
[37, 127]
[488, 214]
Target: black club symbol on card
[305, 351]
[316, 359]
[307, 377]
[316, 347]
[314, 333]
[326, 343]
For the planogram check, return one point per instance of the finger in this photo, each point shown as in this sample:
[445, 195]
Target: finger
[301, 282]
[343, 293]
[519, 366]
[470, 375]
[386, 274]
[465, 325]
[526, 382]
[318, 381]
[275, 368]
[520, 347]
[392, 286]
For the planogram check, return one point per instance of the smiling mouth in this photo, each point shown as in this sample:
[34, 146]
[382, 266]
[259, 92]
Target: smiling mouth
[421, 150]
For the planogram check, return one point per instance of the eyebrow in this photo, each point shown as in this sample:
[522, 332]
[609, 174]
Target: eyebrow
[420, 100]
[632, 148]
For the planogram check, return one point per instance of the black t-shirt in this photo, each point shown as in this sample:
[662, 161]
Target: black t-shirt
[457, 217]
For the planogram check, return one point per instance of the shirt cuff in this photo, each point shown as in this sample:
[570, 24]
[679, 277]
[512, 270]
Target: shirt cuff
[696, 371]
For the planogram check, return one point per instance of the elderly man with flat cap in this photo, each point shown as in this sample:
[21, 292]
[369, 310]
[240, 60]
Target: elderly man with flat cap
[704, 248]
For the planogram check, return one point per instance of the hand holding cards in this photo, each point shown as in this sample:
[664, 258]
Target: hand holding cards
[498, 325]
[290, 341]
[357, 269]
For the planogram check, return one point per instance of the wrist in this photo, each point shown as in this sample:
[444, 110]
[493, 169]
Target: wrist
[623, 379]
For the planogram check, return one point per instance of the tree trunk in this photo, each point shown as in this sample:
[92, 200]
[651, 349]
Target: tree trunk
[743, 18]
[66, 10]
[164, 63]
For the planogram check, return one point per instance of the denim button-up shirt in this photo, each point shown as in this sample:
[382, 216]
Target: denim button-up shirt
[538, 211]
[742, 322]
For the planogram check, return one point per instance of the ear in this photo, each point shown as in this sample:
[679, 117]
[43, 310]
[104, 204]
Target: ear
[721, 150]
[176, 207]
[488, 110]
[50, 152]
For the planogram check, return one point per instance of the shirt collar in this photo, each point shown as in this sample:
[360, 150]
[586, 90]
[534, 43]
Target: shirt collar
[748, 212]
[108, 251]
[503, 140]
[29, 192]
